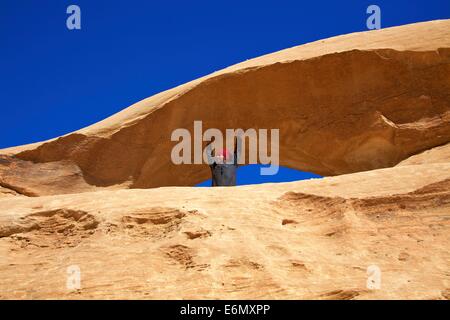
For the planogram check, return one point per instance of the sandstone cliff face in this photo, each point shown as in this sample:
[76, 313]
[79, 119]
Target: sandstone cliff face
[311, 239]
[371, 110]
[346, 104]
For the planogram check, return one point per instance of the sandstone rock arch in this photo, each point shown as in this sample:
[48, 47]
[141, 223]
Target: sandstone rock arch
[346, 104]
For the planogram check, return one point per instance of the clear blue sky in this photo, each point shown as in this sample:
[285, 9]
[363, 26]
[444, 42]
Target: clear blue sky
[53, 81]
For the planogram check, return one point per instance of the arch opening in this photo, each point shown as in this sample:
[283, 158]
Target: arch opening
[250, 174]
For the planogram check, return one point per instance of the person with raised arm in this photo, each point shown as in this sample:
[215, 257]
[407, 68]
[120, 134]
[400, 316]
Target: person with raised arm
[224, 164]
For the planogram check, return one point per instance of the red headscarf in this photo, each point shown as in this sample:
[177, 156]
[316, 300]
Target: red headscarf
[224, 152]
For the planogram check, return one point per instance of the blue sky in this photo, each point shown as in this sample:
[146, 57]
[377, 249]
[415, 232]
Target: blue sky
[53, 81]
[250, 174]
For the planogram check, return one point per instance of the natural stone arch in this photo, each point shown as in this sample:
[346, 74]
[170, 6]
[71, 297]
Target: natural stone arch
[338, 113]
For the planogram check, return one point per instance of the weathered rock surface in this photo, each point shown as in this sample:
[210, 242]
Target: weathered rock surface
[312, 239]
[434, 155]
[371, 108]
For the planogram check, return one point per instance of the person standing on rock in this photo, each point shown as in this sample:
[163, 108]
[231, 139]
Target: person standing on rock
[224, 164]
